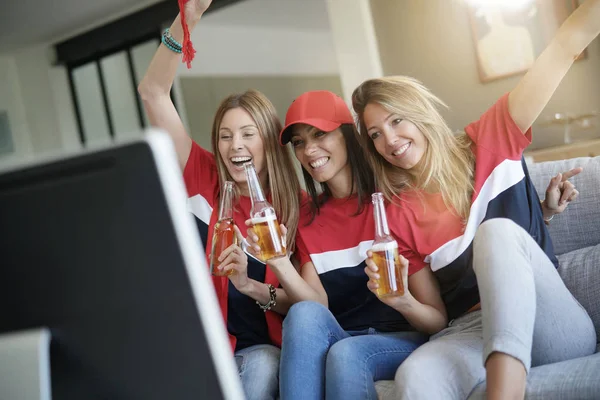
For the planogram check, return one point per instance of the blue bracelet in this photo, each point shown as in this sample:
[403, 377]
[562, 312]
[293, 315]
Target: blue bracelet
[170, 42]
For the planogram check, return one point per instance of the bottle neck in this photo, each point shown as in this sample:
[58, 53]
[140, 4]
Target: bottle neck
[381, 225]
[226, 204]
[254, 188]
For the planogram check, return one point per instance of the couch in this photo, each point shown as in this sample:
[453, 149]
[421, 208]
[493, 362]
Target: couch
[576, 238]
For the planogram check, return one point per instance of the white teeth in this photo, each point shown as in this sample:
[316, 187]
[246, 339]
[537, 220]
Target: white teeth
[401, 150]
[240, 159]
[319, 163]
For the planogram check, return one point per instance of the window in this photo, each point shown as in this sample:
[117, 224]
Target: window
[104, 91]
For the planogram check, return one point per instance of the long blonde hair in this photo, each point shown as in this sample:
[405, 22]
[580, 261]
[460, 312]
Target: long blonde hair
[448, 163]
[284, 186]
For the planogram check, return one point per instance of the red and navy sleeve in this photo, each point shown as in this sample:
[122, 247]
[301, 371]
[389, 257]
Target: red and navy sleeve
[200, 174]
[498, 133]
[301, 253]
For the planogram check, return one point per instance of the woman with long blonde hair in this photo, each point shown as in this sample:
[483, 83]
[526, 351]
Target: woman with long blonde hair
[245, 129]
[464, 206]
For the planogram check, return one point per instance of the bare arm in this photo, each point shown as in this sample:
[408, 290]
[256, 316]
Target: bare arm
[234, 259]
[421, 304]
[296, 288]
[155, 87]
[299, 287]
[260, 292]
[424, 308]
[304, 286]
[530, 96]
[154, 90]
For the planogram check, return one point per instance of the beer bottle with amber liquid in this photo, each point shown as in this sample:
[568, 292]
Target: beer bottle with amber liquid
[264, 221]
[385, 253]
[223, 233]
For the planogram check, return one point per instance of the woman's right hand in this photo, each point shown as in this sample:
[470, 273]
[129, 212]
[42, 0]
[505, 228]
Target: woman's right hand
[252, 240]
[372, 272]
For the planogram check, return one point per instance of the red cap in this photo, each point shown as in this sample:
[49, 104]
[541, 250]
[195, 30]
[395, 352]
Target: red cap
[320, 108]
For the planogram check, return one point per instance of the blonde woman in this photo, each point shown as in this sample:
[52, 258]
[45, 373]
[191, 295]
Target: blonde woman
[245, 128]
[464, 205]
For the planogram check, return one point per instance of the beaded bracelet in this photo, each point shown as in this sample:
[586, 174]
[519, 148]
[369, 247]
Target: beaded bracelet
[170, 42]
[272, 299]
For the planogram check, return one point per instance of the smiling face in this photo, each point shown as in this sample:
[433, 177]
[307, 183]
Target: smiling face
[397, 140]
[239, 141]
[324, 156]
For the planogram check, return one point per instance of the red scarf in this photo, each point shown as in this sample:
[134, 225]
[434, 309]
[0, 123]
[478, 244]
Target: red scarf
[186, 47]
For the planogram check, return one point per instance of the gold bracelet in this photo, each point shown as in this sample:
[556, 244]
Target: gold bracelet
[272, 299]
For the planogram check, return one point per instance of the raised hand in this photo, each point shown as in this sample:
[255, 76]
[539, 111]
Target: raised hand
[560, 193]
[195, 8]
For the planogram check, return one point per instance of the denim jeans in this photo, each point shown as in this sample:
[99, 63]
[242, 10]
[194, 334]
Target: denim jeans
[319, 359]
[526, 312]
[258, 367]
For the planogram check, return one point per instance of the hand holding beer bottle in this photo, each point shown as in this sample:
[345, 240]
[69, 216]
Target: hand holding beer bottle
[264, 221]
[387, 270]
[233, 263]
[223, 231]
[254, 245]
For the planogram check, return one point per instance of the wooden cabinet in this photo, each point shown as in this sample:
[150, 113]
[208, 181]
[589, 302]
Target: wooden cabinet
[588, 148]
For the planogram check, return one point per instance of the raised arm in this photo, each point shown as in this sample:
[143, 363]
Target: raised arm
[155, 87]
[530, 96]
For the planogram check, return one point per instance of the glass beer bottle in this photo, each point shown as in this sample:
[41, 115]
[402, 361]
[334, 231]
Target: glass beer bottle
[223, 234]
[264, 220]
[385, 253]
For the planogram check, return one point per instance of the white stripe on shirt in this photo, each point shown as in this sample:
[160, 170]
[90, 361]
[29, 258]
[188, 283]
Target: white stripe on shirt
[507, 174]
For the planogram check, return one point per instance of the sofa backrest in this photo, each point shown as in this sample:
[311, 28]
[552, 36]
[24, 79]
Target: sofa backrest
[579, 225]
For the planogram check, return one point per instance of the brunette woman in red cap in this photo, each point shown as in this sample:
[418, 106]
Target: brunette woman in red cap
[340, 338]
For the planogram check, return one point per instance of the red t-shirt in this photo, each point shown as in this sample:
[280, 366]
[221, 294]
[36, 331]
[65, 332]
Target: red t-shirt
[336, 242]
[429, 233]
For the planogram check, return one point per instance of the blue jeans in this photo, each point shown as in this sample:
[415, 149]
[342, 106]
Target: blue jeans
[319, 359]
[258, 367]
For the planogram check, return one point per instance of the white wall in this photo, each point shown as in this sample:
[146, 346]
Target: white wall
[11, 101]
[37, 100]
[33, 70]
[287, 37]
[354, 43]
[250, 50]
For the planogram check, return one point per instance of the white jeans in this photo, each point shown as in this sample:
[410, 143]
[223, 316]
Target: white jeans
[258, 367]
[526, 312]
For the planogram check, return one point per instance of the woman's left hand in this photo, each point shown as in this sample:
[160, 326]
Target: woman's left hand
[234, 262]
[560, 193]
